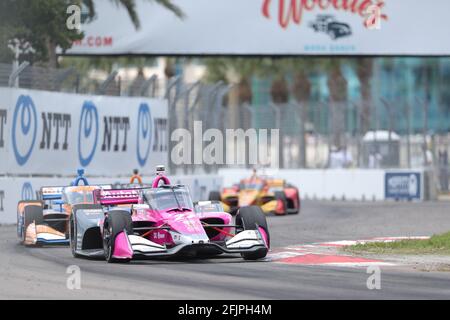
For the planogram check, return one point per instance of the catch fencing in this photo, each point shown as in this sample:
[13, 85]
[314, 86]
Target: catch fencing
[376, 134]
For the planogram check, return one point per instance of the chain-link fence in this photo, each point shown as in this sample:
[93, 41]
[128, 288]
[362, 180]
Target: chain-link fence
[380, 133]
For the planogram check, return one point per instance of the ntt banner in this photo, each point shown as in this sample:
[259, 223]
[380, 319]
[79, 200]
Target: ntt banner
[55, 133]
[272, 27]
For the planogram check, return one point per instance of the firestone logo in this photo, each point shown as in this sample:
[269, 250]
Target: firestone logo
[292, 11]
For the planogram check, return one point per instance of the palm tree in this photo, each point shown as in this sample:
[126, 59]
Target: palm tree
[275, 69]
[337, 86]
[364, 70]
[237, 70]
[279, 89]
[301, 90]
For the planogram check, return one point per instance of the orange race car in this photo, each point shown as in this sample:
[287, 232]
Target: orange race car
[42, 221]
[272, 195]
[46, 220]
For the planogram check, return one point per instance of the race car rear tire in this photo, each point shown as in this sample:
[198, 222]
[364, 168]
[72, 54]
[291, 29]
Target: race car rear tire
[116, 222]
[214, 196]
[32, 214]
[250, 218]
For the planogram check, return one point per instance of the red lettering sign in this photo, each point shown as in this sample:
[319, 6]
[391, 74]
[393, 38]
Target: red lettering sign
[292, 11]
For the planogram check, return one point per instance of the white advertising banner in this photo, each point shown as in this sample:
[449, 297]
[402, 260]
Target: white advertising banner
[56, 133]
[12, 190]
[272, 27]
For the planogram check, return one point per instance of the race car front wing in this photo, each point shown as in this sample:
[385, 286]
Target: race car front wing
[133, 246]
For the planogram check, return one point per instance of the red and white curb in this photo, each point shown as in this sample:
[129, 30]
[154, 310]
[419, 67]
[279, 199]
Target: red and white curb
[328, 253]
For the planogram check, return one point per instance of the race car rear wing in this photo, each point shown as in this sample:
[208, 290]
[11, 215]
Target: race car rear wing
[273, 183]
[116, 197]
[103, 186]
[132, 186]
[50, 193]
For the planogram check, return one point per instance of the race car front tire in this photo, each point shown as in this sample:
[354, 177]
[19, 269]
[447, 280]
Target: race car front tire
[73, 235]
[250, 218]
[21, 217]
[116, 222]
[31, 214]
[298, 209]
[281, 196]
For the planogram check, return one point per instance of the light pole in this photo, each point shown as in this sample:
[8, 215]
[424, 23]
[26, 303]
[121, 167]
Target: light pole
[18, 47]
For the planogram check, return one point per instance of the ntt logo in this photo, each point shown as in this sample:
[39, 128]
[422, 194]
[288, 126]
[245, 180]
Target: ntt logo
[88, 133]
[24, 129]
[144, 134]
[27, 191]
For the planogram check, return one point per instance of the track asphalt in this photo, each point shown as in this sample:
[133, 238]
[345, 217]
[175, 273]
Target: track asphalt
[40, 273]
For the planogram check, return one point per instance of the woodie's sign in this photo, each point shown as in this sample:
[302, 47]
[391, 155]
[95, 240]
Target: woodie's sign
[291, 11]
[272, 27]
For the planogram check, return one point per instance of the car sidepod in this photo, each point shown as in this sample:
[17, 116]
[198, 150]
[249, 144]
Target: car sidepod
[85, 234]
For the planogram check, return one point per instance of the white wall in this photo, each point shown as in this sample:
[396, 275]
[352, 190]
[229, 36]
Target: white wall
[326, 184]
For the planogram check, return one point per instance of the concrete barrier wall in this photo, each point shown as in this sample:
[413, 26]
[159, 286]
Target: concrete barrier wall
[330, 184]
[13, 190]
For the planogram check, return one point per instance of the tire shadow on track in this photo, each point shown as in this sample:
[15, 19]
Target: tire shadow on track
[196, 260]
[47, 253]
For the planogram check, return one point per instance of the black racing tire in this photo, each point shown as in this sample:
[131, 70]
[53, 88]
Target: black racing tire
[73, 234]
[280, 195]
[32, 213]
[21, 222]
[298, 201]
[214, 196]
[249, 218]
[116, 222]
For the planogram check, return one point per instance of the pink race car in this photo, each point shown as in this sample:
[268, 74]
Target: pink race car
[162, 221]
